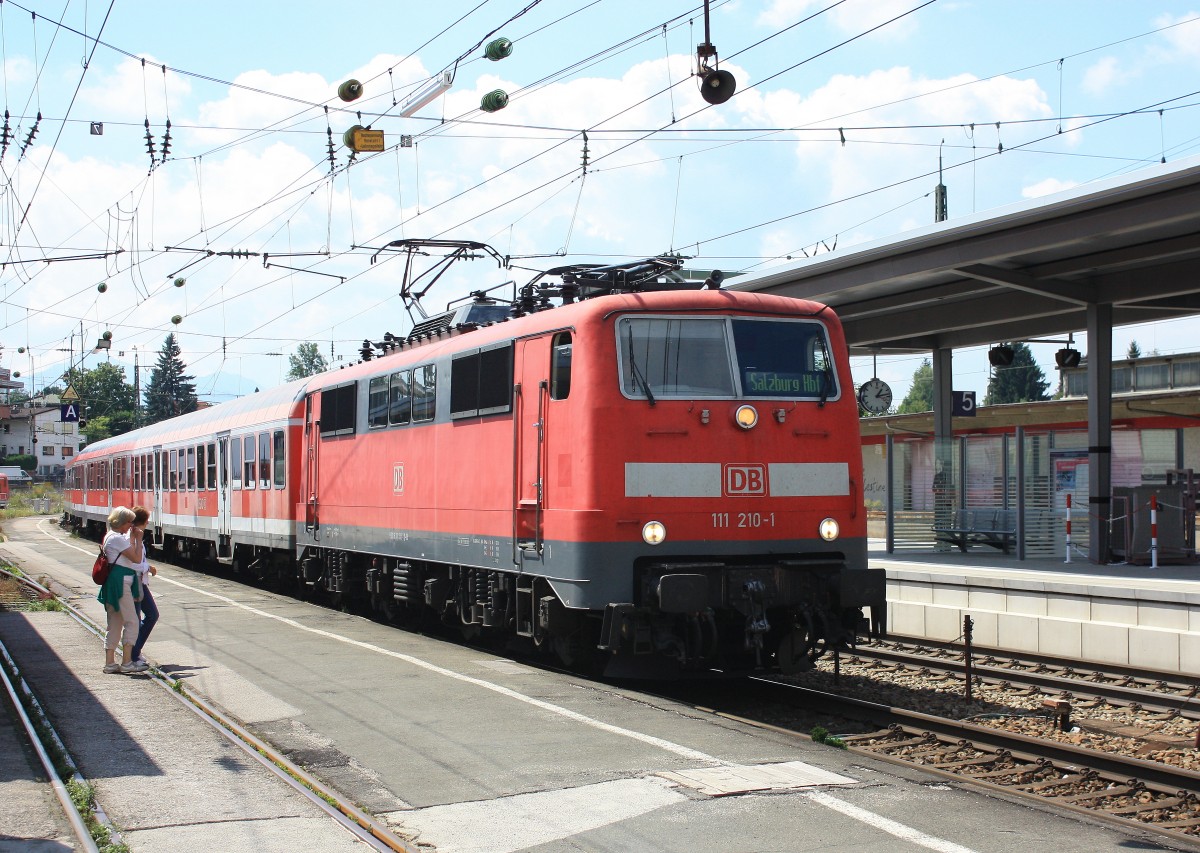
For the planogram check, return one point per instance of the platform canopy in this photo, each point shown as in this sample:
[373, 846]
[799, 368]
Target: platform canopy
[1015, 273]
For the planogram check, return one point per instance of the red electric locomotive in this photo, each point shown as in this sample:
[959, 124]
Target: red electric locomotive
[651, 477]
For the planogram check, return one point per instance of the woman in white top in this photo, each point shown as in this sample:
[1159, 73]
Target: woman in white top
[119, 593]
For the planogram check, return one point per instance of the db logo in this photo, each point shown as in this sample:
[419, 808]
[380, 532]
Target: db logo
[745, 480]
[398, 479]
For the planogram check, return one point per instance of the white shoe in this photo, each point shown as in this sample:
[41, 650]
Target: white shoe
[134, 667]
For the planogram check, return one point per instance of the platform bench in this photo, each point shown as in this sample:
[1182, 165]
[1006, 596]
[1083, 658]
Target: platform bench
[967, 527]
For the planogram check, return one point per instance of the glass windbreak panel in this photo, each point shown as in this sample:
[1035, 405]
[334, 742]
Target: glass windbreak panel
[1121, 378]
[669, 357]
[377, 403]
[783, 358]
[1159, 454]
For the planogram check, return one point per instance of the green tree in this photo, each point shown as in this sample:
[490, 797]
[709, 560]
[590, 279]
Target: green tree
[306, 361]
[170, 391]
[1135, 351]
[1020, 382]
[108, 401]
[920, 394]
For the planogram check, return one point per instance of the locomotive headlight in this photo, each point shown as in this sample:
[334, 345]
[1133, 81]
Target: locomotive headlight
[828, 529]
[746, 417]
[654, 532]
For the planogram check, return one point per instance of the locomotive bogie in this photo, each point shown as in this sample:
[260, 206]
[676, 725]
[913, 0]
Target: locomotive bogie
[649, 483]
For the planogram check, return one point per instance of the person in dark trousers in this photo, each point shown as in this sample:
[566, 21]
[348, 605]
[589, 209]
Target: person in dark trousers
[120, 592]
[147, 610]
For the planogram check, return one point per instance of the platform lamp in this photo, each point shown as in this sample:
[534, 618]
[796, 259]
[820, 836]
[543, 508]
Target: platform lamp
[1067, 358]
[1001, 356]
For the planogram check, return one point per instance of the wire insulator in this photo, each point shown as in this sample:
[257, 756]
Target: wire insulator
[32, 133]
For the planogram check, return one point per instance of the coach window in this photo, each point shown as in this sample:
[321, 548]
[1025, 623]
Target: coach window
[212, 467]
[424, 391]
[560, 366]
[201, 468]
[248, 461]
[264, 460]
[191, 469]
[173, 475]
[280, 460]
[400, 407]
[235, 461]
[377, 403]
[152, 478]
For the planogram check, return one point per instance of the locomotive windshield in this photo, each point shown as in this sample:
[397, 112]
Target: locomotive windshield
[665, 357]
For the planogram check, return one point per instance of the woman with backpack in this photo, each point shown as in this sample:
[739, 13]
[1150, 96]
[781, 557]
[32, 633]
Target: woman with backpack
[120, 591]
[147, 610]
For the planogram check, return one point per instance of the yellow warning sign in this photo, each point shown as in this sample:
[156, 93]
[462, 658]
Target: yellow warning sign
[69, 395]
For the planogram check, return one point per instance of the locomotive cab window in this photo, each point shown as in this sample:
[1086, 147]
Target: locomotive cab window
[560, 366]
[685, 358]
[400, 405]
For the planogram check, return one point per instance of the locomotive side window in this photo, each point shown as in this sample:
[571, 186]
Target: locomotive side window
[400, 407]
[264, 460]
[784, 359]
[235, 461]
[212, 467]
[560, 366]
[248, 461]
[424, 392]
[280, 460]
[338, 410]
[669, 357]
[377, 403]
[481, 382]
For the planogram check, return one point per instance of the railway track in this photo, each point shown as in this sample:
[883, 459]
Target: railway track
[1125, 790]
[363, 826]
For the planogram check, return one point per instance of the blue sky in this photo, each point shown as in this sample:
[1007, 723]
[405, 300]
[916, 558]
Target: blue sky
[743, 185]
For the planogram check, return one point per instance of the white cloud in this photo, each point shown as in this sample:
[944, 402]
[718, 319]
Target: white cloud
[1183, 41]
[1101, 76]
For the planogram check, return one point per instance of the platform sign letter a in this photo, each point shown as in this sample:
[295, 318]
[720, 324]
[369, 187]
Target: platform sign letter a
[69, 412]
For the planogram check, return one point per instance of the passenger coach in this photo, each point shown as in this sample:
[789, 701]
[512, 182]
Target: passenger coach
[656, 481]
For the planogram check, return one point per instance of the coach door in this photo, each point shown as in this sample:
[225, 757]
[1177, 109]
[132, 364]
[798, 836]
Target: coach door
[224, 504]
[158, 490]
[531, 372]
[309, 472]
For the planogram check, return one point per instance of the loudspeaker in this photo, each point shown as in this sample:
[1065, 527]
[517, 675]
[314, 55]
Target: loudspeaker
[717, 87]
[1001, 356]
[1067, 358]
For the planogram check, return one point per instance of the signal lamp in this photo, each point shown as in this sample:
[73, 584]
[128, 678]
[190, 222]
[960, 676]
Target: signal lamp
[654, 532]
[1067, 357]
[829, 529]
[1001, 356]
[746, 417]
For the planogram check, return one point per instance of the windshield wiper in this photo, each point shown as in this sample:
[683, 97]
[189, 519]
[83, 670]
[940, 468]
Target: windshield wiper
[637, 373]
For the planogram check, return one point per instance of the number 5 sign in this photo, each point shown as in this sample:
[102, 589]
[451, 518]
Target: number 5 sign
[964, 404]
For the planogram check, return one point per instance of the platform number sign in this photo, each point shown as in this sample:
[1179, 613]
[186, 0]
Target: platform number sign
[964, 404]
[69, 413]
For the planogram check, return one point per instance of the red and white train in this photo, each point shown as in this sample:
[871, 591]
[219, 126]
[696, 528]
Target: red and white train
[651, 477]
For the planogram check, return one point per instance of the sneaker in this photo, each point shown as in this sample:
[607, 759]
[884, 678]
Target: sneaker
[142, 660]
[132, 667]
[110, 668]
